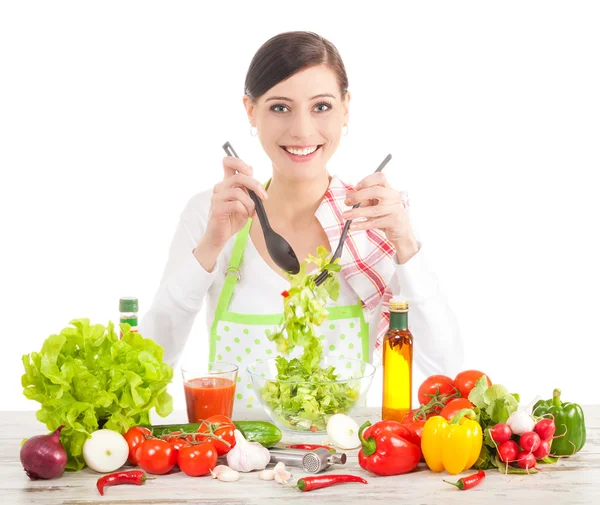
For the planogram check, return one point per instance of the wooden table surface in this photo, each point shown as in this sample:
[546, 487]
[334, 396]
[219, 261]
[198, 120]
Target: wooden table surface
[574, 480]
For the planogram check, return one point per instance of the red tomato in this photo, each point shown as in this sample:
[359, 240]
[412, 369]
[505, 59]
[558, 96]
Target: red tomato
[222, 427]
[178, 443]
[465, 381]
[454, 407]
[415, 427]
[156, 456]
[198, 459]
[135, 437]
[434, 386]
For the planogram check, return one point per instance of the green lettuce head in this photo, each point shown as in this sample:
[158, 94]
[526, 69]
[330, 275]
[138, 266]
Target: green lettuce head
[87, 378]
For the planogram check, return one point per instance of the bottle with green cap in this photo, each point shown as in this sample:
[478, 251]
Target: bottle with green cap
[128, 308]
[397, 363]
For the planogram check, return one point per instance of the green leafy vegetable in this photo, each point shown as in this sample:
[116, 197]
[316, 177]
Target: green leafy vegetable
[494, 392]
[306, 402]
[494, 404]
[484, 462]
[87, 378]
[310, 398]
[549, 460]
[304, 308]
[508, 469]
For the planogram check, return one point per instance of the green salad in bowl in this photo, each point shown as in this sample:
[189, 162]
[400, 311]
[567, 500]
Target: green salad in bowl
[303, 392]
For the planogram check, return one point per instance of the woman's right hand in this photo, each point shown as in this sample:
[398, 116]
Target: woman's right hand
[230, 209]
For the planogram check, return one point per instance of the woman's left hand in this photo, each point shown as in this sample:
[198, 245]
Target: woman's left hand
[384, 209]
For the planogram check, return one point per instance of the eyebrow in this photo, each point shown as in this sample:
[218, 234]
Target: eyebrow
[322, 95]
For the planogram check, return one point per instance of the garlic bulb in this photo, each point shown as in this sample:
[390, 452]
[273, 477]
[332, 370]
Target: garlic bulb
[247, 456]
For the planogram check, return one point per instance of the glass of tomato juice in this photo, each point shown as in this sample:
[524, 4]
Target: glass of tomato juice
[211, 391]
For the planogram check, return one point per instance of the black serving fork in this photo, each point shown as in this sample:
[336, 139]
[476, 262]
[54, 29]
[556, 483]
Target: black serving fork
[322, 277]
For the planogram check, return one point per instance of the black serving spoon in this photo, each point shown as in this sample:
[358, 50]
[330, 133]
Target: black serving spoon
[278, 248]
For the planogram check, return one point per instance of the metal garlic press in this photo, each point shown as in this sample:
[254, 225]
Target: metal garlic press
[311, 461]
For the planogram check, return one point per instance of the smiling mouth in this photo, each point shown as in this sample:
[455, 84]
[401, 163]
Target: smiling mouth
[302, 152]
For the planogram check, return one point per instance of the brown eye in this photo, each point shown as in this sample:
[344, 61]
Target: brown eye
[275, 108]
[324, 104]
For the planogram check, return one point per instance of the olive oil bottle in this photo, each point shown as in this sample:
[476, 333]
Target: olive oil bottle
[397, 363]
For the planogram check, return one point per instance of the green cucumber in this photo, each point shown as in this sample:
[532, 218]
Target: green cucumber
[158, 430]
[263, 432]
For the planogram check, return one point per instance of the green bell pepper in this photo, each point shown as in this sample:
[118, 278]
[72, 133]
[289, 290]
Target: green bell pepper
[570, 425]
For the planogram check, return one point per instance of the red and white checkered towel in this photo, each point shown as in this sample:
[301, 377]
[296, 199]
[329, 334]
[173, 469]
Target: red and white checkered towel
[367, 259]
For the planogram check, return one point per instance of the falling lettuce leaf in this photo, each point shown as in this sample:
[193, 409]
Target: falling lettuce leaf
[305, 308]
[306, 403]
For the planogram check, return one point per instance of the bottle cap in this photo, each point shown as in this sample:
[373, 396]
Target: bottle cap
[398, 304]
[128, 304]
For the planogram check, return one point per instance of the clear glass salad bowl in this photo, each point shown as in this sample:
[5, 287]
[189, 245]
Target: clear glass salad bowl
[305, 402]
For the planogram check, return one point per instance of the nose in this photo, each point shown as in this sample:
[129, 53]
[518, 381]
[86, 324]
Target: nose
[302, 125]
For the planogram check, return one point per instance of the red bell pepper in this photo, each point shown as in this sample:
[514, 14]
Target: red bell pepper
[388, 448]
[415, 427]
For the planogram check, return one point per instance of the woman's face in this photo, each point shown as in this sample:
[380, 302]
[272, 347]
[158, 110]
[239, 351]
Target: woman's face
[300, 120]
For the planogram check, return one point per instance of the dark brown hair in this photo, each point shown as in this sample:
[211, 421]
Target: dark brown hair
[287, 53]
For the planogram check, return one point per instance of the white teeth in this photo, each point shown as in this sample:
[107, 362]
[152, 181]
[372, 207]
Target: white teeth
[302, 152]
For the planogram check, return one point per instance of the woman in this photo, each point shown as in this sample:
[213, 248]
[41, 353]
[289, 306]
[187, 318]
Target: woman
[297, 101]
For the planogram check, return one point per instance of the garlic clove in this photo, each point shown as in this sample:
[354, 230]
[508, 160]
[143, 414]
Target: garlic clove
[218, 470]
[229, 475]
[282, 476]
[279, 467]
[266, 475]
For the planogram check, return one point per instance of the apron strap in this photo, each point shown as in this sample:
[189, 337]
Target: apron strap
[232, 274]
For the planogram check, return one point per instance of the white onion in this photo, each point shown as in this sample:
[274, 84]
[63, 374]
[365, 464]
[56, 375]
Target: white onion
[520, 422]
[105, 451]
[343, 431]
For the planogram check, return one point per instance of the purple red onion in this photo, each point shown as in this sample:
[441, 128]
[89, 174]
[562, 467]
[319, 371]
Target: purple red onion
[43, 456]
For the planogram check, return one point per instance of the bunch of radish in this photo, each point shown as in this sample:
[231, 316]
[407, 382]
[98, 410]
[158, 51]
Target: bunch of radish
[525, 448]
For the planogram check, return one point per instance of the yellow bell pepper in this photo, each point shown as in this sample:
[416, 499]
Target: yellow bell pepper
[452, 446]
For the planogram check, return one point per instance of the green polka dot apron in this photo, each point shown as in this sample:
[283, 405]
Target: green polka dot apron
[243, 338]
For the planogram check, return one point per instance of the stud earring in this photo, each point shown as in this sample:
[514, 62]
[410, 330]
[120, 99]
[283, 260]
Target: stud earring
[253, 131]
[345, 132]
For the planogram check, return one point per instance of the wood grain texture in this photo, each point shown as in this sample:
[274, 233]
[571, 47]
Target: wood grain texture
[572, 481]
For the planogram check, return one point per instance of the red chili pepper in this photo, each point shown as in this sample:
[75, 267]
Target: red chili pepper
[310, 447]
[319, 481]
[136, 477]
[468, 482]
[285, 294]
[388, 448]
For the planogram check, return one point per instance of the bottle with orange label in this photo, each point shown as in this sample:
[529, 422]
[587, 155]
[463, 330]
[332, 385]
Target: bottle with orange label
[397, 363]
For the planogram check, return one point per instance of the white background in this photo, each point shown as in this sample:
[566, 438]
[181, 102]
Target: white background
[113, 114]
